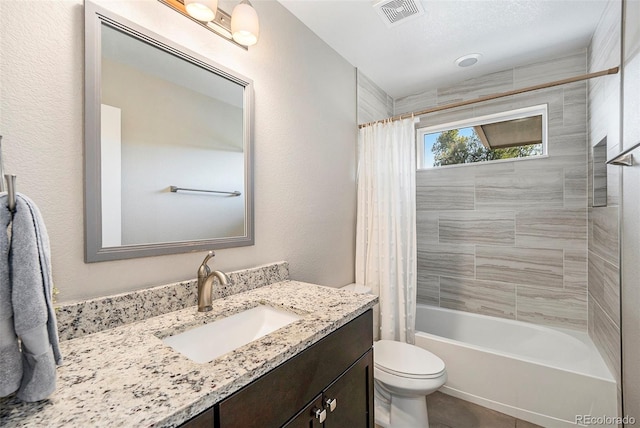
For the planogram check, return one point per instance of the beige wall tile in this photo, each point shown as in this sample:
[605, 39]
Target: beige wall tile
[493, 83]
[553, 69]
[575, 269]
[446, 116]
[560, 308]
[450, 177]
[428, 289]
[606, 336]
[546, 228]
[373, 103]
[575, 104]
[443, 198]
[481, 297]
[603, 233]
[426, 227]
[613, 185]
[604, 286]
[415, 102]
[575, 187]
[447, 260]
[530, 189]
[553, 97]
[477, 227]
[520, 265]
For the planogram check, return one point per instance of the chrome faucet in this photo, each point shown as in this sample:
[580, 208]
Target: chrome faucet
[205, 283]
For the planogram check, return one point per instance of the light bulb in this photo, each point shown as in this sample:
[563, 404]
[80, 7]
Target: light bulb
[244, 24]
[202, 10]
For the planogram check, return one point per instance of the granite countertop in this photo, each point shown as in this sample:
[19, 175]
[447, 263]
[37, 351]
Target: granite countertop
[127, 377]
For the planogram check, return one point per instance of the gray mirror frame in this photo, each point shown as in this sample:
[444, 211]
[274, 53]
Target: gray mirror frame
[95, 16]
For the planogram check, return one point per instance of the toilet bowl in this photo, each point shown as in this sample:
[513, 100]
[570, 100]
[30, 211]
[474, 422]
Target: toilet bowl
[403, 376]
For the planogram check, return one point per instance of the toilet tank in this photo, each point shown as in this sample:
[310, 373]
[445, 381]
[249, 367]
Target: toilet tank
[357, 288]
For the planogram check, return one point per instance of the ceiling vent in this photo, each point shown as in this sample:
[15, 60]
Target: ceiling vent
[396, 12]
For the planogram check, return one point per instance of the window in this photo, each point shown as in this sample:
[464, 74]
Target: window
[505, 136]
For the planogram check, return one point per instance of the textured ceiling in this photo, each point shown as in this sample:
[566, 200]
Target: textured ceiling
[420, 53]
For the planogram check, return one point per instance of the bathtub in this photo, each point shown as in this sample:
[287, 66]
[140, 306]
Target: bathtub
[543, 375]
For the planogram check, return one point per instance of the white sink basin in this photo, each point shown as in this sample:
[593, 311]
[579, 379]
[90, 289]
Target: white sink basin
[208, 342]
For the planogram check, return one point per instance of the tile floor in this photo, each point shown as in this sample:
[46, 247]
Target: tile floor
[446, 411]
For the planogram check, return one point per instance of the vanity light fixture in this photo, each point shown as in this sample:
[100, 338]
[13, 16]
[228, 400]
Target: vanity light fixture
[202, 10]
[241, 27]
[244, 24]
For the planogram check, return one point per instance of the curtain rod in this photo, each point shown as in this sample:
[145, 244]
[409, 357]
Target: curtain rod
[613, 70]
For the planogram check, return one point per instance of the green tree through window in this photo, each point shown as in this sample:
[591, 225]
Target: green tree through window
[451, 148]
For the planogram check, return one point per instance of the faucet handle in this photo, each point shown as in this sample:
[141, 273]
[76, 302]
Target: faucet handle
[210, 255]
[203, 270]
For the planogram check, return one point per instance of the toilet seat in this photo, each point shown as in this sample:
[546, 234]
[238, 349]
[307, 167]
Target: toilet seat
[405, 360]
[410, 376]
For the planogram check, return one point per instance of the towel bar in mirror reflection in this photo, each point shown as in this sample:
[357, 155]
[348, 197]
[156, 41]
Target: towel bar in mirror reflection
[176, 189]
[156, 111]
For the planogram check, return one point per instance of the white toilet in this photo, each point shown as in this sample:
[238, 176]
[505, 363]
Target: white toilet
[403, 375]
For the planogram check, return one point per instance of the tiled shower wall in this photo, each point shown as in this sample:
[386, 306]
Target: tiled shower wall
[508, 239]
[604, 260]
[373, 103]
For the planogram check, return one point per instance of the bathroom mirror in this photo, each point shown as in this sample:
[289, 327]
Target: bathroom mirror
[167, 145]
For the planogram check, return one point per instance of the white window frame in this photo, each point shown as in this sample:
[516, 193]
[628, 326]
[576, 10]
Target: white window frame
[541, 109]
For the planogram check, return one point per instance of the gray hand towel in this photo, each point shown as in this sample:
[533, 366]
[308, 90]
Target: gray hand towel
[44, 251]
[10, 358]
[31, 295]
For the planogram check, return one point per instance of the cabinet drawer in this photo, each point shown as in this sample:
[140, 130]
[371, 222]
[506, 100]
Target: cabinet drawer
[274, 398]
[353, 393]
[307, 416]
[203, 420]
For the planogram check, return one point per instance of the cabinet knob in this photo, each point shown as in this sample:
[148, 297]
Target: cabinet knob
[320, 415]
[331, 403]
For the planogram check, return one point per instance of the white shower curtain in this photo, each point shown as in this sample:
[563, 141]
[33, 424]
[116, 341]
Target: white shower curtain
[386, 224]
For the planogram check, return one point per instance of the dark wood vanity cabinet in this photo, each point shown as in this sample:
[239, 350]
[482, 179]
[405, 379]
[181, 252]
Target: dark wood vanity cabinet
[346, 402]
[353, 395]
[293, 395]
[203, 420]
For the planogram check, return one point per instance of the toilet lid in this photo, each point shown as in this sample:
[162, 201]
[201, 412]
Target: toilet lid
[406, 360]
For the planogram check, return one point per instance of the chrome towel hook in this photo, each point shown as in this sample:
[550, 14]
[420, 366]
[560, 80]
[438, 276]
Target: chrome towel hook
[11, 183]
[11, 191]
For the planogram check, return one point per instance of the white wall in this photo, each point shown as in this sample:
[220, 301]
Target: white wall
[305, 141]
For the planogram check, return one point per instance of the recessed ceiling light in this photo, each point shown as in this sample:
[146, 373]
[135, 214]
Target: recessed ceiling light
[468, 60]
